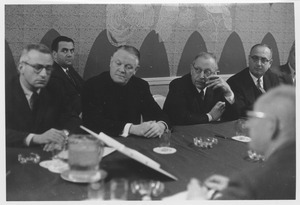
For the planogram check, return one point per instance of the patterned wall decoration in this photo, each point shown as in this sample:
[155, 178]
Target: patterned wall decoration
[168, 35]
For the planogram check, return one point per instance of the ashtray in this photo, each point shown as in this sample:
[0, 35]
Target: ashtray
[205, 142]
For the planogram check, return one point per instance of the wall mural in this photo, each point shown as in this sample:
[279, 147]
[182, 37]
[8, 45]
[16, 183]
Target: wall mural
[167, 35]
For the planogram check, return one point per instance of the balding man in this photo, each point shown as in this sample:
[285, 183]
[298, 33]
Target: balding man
[272, 128]
[200, 96]
[114, 102]
[254, 80]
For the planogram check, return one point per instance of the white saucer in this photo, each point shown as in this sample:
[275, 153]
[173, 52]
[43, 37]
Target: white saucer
[164, 150]
[73, 176]
[242, 138]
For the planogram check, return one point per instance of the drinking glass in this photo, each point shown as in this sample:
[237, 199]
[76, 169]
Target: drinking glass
[96, 190]
[118, 189]
[164, 143]
[85, 154]
[241, 128]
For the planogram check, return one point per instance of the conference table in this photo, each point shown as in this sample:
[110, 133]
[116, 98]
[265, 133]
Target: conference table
[31, 182]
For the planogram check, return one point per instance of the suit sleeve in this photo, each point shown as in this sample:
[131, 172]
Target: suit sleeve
[240, 105]
[150, 109]
[177, 106]
[93, 111]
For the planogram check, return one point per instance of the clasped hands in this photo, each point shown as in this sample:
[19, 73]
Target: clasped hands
[209, 189]
[52, 139]
[148, 129]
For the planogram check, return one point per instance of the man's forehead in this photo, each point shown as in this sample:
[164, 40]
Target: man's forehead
[65, 44]
[204, 63]
[39, 57]
[262, 50]
[124, 55]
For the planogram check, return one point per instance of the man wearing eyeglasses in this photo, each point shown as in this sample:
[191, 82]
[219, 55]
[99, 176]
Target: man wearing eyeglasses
[272, 128]
[200, 96]
[254, 80]
[114, 102]
[35, 112]
[64, 75]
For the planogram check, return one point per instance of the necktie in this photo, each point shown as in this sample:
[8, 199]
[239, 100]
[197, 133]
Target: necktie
[70, 76]
[259, 86]
[201, 95]
[33, 100]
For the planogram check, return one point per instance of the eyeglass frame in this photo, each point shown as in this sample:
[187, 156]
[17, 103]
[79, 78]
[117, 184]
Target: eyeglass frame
[263, 60]
[197, 70]
[37, 68]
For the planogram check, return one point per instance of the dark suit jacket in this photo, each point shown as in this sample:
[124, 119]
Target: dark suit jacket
[275, 179]
[72, 92]
[245, 90]
[284, 74]
[183, 106]
[51, 113]
[108, 106]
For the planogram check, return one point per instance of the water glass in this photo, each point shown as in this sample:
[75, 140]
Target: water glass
[85, 154]
[241, 127]
[165, 139]
[96, 190]
[118, 189]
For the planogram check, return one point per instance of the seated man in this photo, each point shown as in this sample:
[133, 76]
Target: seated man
[251, 82]
[64, 75]
[272, 128]
[200, 96]
[35, 112]
[286, 72]
[114, 102]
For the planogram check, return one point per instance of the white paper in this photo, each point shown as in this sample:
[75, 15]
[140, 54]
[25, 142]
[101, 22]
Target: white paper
[129, 152]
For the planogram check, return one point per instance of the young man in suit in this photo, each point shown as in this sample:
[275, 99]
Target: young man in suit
[200, 96]
[287, 72]
[114, 102]
[35, 111]
[272, 128]
[64, 75]
[254, 80]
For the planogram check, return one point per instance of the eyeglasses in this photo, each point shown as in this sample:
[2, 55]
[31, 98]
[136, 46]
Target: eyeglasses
[207, 72]
[127, 67]
[262, 60]
[37, 68]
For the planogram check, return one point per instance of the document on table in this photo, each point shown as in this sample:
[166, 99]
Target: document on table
[129, 152]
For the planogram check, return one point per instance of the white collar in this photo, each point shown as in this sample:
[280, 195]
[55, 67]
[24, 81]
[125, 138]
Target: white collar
[255, 79]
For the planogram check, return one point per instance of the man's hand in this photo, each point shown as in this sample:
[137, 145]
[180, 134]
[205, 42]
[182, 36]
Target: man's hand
[215, 82]
[217, 111]
[50, 136]
[216, 182]
[148, 129]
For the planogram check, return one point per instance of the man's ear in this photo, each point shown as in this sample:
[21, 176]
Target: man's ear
[136, 69]
[20, 66]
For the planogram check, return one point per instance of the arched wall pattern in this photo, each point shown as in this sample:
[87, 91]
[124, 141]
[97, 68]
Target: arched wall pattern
[194, 45]
[270, 40]
[233, 57]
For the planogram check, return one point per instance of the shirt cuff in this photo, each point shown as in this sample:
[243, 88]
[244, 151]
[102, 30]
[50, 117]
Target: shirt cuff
[230, 98]
[209, 117]
[28, 139]
[166, 125]
[126, 130]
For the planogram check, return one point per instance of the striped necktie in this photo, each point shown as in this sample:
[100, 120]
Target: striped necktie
[258, 85]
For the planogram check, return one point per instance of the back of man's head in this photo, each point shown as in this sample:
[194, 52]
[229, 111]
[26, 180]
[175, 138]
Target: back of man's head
[55, 42]
[280, 103]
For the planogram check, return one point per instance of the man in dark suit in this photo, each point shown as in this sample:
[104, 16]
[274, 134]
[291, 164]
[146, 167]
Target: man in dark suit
[35, 112]
[64, 75]
[253, 81]
[200, 96]
[272, 128]
[286, 72]
[114, 102]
